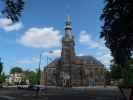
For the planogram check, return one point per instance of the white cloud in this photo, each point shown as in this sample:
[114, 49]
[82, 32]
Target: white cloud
[7, 25]
[86, 39]
[14, 27]
[54, 53]
[5, 22]
[28, 61]
[103, 54]
[80, 54]
[46, 37]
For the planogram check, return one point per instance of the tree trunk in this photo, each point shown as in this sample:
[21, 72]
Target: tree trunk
[131, 94]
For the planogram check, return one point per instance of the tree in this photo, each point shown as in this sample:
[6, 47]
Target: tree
[2, 77]
[117, 31]
[130, 71]
[107, 77]
[116, 72]
[1, 67]
[16, 70]
[31, 76]
[38, 75]
[13, 9]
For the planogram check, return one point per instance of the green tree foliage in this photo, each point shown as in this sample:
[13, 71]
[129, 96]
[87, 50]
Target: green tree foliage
[107, 77]
[130, 72]
[38, 71]
[13, 9]
[2, 77]
[1, 68]
[118, 29]
[16, 70]
[31, 76]
[116, 72]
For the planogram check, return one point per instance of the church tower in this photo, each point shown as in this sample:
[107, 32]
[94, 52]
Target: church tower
[68, 43]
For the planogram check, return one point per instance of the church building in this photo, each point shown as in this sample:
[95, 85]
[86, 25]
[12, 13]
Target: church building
[72, 70]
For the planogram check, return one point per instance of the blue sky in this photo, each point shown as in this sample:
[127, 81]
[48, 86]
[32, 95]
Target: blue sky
[41, 28]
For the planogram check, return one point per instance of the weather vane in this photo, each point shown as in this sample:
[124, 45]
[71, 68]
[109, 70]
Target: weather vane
[68, 7]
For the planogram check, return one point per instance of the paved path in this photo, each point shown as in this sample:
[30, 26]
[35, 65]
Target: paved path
[80, 93]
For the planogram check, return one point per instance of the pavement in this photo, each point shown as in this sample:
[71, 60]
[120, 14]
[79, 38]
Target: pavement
[59, 93]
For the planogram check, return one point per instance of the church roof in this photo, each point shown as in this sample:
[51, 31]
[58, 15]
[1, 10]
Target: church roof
[54, 63]
[89, 60]
[79, 60]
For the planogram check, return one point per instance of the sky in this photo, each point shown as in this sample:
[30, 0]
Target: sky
[41, 28]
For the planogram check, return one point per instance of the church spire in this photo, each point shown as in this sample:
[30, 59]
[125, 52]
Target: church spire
[68, 41]
[68, 28]
[68, 23]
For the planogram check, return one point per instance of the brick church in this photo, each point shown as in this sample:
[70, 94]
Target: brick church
[72, 70]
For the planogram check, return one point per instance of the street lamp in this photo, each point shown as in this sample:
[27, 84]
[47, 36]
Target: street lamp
[39, 69]
[39, 75]
[46, 70]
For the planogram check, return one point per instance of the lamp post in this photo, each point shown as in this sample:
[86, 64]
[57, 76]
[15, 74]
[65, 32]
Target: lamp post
[46, 71]
[39, 75]
[39, 68]
[46, 75]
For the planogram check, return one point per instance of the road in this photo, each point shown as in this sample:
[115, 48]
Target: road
[75, 93]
